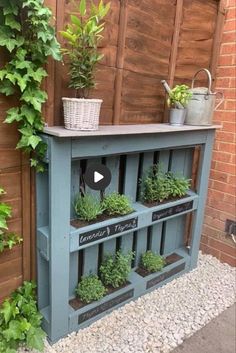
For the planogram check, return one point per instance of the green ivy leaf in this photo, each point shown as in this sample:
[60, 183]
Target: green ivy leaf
[35, 97]
[12, 23]
[29, 113]
[6, 311]
[12, 115]
[7, 88]
[34, 338]
[37, 75]
[34, 141]
[54, 50]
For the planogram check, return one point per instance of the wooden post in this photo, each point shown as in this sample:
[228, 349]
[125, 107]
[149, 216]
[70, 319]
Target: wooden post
[202, 187]
[59, 229]
[217, 39]
[174, 51]
[120, 62]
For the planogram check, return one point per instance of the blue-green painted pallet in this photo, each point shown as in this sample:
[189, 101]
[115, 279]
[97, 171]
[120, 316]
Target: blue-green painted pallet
[65, 253]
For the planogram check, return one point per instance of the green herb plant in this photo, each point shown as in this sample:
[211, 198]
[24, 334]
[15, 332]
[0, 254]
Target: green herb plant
[7, 240]
[90, 288]
[152, 262]
[28, 39]
[179, 186]
[157, 186]
[87, 207]
[20, 321]
[82, 36]
[115, 269]
[116, 204]
[179, 94]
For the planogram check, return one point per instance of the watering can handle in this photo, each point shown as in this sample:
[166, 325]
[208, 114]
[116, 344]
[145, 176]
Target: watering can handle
[209, 79]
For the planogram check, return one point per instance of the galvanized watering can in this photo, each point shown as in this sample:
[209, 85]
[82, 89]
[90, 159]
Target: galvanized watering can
[202, 104]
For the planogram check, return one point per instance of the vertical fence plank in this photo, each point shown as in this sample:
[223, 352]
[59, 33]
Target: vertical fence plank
[130, 181]
[142, 234]
[155, 241]
[90, 263]
[74, 257]
[113, 163]
[174, 228]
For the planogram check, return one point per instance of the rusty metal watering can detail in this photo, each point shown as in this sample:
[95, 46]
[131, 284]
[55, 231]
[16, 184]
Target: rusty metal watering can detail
[202, 104]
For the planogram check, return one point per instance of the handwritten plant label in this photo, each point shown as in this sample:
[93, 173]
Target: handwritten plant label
[105, 306]
[160, 278]
[104, 232]
[170, 211]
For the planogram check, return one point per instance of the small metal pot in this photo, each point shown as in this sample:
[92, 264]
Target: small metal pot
[177, 116]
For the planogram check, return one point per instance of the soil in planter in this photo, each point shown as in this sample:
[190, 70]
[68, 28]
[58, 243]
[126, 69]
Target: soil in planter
[76, 303]
[169, 260]
[77, 223]
[157, 203]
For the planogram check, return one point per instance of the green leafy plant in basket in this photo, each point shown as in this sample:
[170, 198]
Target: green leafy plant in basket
[116, 204]
[87, 207]
[20, 321]
[7, 240]
[90, 288]
[152, 262]
[82, 35]
[115, 270]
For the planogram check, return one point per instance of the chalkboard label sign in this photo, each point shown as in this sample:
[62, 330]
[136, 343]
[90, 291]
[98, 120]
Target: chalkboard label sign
[104, 232]
[170, 211]
[105, 306]
[154, 281]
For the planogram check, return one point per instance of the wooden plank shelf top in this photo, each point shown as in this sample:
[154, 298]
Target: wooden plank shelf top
[113, 130]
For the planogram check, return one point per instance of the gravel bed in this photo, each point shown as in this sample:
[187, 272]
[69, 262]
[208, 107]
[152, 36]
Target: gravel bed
[161, 320]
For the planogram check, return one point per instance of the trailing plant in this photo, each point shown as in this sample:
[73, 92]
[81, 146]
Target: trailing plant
[20, 321]
[90, 288]
[7, 240]
[87, 207]
[152, 262]
[180, 94]
[116, 204]
[115, 269]
[83, 35]
[157, 186]
[29, 39]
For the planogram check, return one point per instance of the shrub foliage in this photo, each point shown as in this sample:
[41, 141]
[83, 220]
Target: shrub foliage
[90, 288]
[117, 204]
[152, 262]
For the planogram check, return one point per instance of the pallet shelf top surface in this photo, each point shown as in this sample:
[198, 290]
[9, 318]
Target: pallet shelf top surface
[113, 130]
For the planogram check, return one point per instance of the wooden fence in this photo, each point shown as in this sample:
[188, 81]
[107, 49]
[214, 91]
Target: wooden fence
[145, 41]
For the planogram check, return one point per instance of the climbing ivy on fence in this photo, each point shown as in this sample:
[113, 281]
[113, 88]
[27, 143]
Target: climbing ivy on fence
[7, 240]
[29, 39]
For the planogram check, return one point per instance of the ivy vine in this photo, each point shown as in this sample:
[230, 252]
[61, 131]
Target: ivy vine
[29, 39]
[7, 240]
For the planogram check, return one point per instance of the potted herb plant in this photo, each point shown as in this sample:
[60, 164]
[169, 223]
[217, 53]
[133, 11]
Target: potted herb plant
[178, 99]
[83, 34]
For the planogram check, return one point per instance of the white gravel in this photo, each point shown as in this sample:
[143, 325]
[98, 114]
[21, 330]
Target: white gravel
[161, 320]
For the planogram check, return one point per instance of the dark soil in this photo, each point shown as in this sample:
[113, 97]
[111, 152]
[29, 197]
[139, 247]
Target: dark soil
[157, 203]
[169, 260]
[76, 303]
[77, 223]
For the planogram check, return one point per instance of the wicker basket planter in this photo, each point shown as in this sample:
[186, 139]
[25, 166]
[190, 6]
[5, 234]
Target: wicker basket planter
[81, 114]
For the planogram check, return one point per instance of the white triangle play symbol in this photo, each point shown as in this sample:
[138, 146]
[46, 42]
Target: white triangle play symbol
[97, 177]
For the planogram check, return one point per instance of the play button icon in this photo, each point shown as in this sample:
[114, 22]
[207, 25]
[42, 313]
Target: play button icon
[97, 176]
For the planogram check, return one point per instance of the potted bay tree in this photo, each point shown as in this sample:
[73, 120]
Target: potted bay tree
[82, 35]
[178, 99]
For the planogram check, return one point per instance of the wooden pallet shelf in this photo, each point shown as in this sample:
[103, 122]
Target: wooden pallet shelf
[66, 253]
